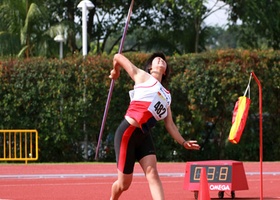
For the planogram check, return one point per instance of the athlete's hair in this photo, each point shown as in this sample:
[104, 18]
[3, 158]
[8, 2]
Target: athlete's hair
[148, 64]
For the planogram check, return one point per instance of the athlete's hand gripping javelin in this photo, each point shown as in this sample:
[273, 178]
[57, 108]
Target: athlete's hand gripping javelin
[115, 72]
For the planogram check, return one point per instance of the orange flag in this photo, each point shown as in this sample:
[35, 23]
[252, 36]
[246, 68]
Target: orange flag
[239, 118]
[240, 114]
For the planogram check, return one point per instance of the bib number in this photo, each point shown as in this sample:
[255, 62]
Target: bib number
[159, 109]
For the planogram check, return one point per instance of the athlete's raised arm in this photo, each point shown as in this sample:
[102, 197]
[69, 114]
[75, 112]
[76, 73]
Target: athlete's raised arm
[136, 74]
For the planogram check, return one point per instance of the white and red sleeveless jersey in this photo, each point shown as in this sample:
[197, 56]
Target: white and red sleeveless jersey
[149, 103]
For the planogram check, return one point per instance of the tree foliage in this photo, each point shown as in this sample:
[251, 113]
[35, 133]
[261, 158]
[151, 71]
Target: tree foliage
[259, 22]
[175, 26]
[24, 21]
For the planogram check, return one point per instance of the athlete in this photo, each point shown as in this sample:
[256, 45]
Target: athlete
[150, 102]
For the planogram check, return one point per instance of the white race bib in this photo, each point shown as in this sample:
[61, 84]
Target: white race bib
[158, 106]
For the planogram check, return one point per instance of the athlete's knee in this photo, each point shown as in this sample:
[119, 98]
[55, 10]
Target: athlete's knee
[124, 185]
[152, 174]
[124, 180]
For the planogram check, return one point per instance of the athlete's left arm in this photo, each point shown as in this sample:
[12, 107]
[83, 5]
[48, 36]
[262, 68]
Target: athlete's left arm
[174, 132]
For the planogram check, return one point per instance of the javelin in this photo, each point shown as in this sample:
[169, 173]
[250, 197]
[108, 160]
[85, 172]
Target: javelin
[112, 82]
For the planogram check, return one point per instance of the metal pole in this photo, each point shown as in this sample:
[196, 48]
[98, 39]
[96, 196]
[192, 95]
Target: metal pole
[84, 25]
[113, 82]
[61, 50]
[60, 38]
[85, 5]
[261, 135]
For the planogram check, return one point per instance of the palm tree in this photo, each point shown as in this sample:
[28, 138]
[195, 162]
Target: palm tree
[33, 39]
[11, 14]
[25, 22]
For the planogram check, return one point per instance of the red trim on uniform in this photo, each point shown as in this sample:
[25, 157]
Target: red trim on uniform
[167, 91]
[123, 148]
[142, 86]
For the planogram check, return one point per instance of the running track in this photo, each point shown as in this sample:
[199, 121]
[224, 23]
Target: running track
[88, 181]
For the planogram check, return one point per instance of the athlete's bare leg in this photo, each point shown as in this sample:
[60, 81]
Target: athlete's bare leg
[149, 166]
[120, 185]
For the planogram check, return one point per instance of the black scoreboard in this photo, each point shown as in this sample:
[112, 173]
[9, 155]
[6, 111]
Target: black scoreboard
[215, 173]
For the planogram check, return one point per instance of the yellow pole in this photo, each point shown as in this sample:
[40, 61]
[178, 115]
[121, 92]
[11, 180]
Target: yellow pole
[4, 145]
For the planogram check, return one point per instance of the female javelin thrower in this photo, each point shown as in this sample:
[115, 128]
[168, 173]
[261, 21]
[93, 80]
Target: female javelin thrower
[150, 102]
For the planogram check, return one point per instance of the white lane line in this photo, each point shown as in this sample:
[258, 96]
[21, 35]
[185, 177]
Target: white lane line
[102, 175]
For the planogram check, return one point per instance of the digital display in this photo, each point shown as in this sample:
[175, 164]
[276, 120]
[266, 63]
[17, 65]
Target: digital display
[215, 173]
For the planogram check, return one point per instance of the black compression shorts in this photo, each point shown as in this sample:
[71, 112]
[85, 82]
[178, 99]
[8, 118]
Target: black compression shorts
[131, 144]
